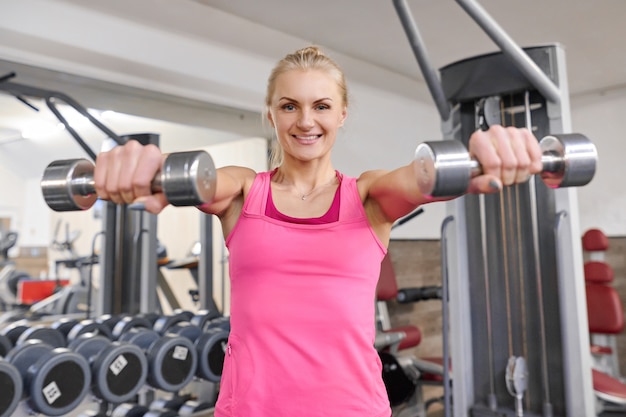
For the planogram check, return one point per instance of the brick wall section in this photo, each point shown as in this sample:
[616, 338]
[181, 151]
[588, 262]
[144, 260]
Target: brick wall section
[418, 263]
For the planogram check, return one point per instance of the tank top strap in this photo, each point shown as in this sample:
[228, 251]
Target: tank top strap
[352, 206]
[257, 196]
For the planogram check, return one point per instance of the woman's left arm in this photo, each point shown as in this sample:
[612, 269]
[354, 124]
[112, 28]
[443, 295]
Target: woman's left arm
[507, 156]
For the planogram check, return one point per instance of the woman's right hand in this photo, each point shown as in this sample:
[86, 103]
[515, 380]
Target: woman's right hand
[124, 175]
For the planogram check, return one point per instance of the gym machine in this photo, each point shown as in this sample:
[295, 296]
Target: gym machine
[512, 259]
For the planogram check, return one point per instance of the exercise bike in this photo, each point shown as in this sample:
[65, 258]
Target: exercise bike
[10, 277]
[71, 298]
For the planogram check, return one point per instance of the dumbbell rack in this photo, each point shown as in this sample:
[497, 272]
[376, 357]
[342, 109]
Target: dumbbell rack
[513, 260]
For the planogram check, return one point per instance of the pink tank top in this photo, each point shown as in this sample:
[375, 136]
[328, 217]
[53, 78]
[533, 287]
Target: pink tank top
[302, 314]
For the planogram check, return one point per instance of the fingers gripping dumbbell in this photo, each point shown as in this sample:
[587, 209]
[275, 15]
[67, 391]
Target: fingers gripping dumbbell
[186, 179]
[444, 168]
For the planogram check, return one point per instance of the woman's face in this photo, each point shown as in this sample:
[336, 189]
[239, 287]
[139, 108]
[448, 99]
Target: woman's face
[306, 111]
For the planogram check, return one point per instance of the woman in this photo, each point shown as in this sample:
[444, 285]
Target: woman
[305, 245]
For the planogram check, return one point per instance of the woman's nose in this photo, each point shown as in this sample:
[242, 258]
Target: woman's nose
[305, 120]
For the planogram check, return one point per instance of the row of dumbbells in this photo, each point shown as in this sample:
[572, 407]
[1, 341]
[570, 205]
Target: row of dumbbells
[54, 366]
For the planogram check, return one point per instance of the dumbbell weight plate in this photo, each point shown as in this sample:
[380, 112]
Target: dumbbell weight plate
[119, 370]
[190, 178]
[64, 325]
[129, 410]
[575, 159]
[202, 317]
[13, 332]
[88, 326]
[64, 185]
[128, 323]
[192, 407]
[11, 388]
[221, 322]
[47, 335]
[442, 168]
[5, 345]
[57, 379]
[162, 324]
[211, 347]
[172, 363]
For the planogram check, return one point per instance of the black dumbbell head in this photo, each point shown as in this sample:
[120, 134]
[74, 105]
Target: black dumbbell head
[119, 371]
[57, 379]
[5, 345]
[14, 331]
[172, 363]
[89, 326]
[202, 317]
[47, 335]
[128, 323]
[11, 388]
[211, 347]
[162, 324]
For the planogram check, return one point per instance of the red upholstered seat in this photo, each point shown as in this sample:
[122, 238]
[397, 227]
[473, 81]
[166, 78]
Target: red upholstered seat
[595, 240]
[601, 350]
[608, 388]
[598, 272]
[604, 309]
[386, 290]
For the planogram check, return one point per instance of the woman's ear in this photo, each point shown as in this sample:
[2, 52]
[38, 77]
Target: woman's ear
[270, 119]
[344, 116]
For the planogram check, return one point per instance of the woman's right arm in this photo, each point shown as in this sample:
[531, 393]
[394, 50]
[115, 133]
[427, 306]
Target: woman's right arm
[125, 173]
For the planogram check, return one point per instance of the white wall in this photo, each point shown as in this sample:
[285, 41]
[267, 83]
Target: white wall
[603, 202]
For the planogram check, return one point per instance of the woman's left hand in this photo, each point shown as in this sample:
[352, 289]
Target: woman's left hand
[507, 155]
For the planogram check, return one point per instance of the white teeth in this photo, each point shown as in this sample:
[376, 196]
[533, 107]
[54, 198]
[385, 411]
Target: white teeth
[307, 137]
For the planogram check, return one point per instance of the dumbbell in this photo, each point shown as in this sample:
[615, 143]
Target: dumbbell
[73, 328]
[186, 179]
[209, 337]
[51, 337]
[199, 319]
[11, 388]
[128, 323]
[119, 370]
[172, 360]
[183, 406]
[12, 332]
[444, 168]
[56, 380]
[136, 410]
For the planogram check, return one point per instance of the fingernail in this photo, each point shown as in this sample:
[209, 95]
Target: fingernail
[494, 184]
[140, 205]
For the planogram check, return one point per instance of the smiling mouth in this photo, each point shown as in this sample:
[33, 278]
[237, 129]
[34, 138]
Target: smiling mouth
[307, 138]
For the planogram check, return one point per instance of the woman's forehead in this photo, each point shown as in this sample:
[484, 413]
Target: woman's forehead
[306, 83]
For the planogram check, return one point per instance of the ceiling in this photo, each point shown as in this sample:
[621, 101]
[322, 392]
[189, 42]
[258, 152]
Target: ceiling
[592, 33]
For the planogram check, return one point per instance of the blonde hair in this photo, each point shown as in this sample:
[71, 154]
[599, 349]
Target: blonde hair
[308, 58]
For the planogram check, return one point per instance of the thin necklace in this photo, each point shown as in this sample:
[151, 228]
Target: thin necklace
[305, 196]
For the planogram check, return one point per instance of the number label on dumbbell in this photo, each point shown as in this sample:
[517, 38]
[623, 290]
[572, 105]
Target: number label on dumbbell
[118, 365]
[180, 353]
[51, 392]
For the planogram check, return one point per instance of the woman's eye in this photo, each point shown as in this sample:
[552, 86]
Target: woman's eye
[322, 107]
[289, 107]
